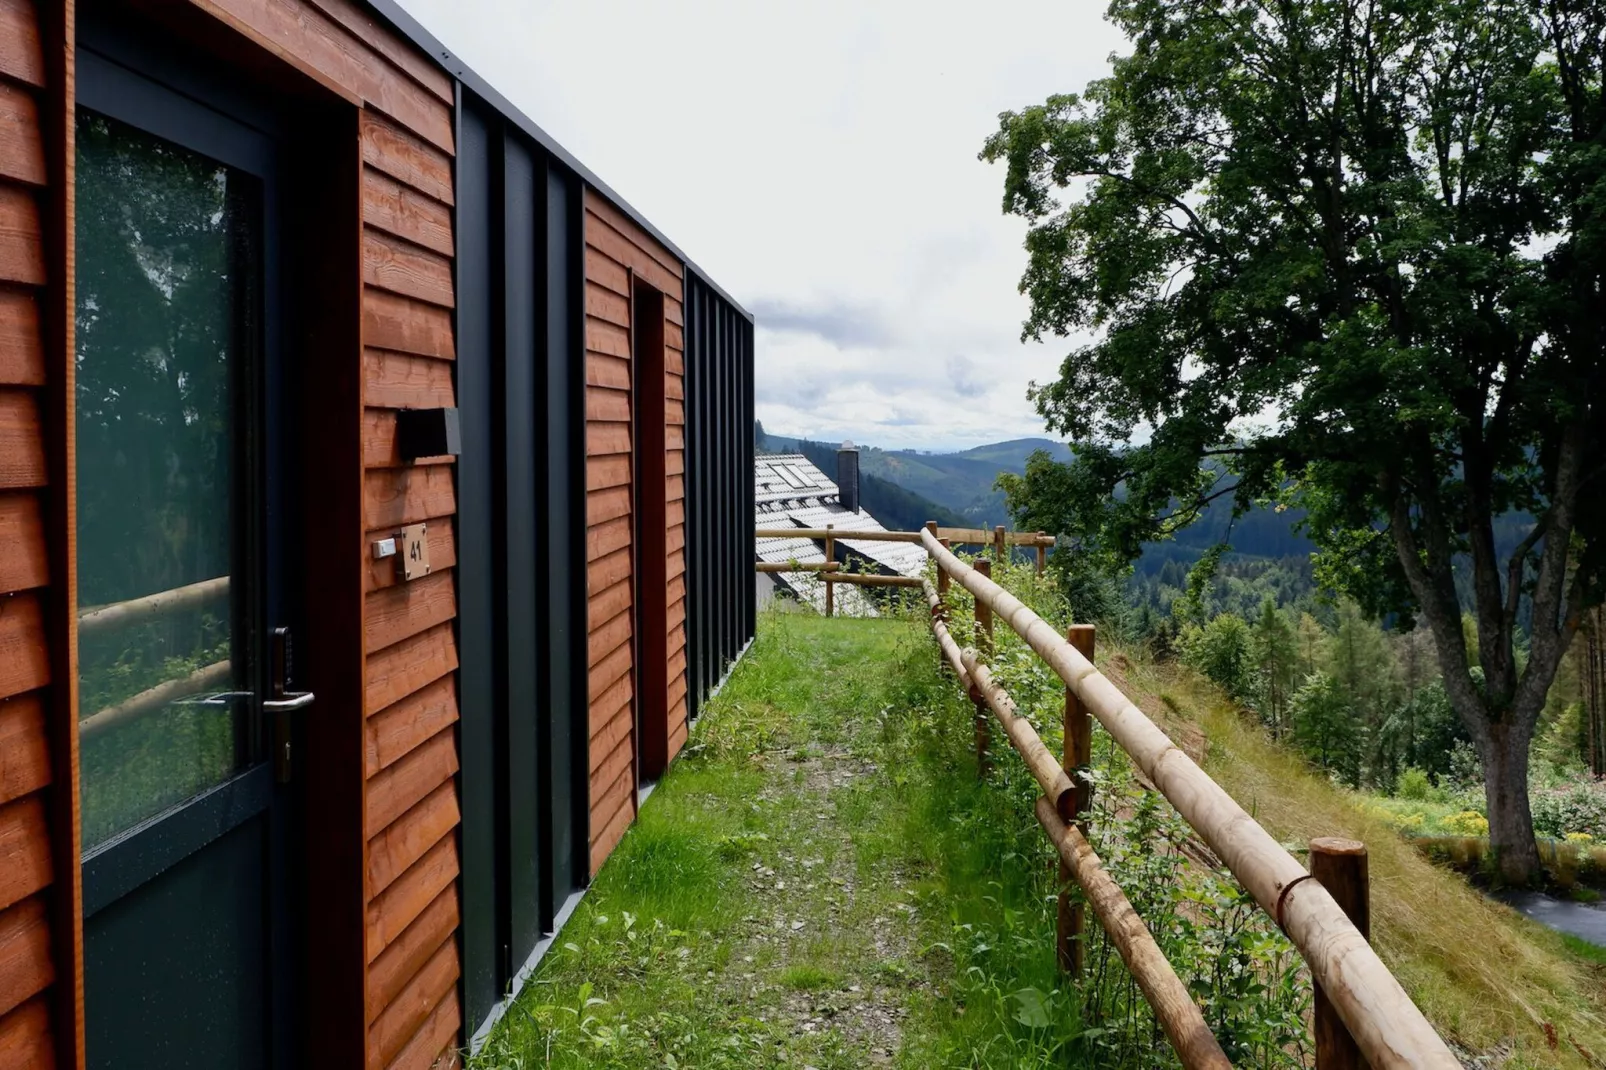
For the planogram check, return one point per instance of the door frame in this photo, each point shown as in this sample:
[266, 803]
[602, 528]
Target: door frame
[127, 72]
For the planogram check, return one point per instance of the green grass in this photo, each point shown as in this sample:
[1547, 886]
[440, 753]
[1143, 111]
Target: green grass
[821, 880]
[1488, 978]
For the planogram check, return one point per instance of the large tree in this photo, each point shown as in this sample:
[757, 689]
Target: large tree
[1348, 252]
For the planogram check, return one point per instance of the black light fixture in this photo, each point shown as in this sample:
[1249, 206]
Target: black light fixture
[427, 433]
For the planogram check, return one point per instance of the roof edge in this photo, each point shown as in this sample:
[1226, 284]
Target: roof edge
[409, 27]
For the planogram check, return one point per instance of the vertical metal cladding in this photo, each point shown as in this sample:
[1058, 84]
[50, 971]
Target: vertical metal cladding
[722, 609]
[521, 517]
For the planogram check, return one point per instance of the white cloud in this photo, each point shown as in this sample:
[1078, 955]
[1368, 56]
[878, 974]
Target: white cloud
[819, 161]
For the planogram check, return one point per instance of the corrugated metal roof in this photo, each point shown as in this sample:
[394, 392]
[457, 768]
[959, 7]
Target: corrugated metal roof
[792, 492]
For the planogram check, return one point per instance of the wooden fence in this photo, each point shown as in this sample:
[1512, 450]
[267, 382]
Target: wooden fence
[1362, 1017]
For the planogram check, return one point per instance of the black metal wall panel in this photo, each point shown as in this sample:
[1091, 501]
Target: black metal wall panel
[521, 533]
[565, 732]
[521, 638]
[721, 592]
[476, 617]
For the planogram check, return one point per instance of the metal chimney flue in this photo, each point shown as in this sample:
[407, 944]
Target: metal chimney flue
[847, 476]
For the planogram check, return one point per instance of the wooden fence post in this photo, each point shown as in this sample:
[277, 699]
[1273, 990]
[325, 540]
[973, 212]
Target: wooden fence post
[1339, 866]
[1000, 544]
[984, 644]
[830, 555]
[1042, 554]
[942, 576]
[1078, 756]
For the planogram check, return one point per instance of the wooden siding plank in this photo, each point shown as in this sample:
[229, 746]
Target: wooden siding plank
[603, 473]
[608, 371]
[24, 849]
[23, 563]
[396, 209]
[606, 504]
[419, 67]
[638, 238]
[22, 151]
[608, 339]
[21, 56]
[398, 496]
[382, 572]
[397, 671]
[24, 657]
[607, 669]
[22, 356]
[605, 538]
[390, 321]
[22, 446]
[395, 380]
[607, 705]
[609, 637]
[435, 1045]
[606, 271]
[604, 841]
[25, 1035]
[393, 910]
[402, 156]
[611, 779]
[615, 598]
[316, 45]
[399, 728]
[394, 791]
[607, 571]
[392, 850]
[26, 968]
[609, 406]
[22, 250]
[401, 961]
[407, 269]
[607, 305]
[603, 438]
[24, 747]
[398, 1022]
[407, 609]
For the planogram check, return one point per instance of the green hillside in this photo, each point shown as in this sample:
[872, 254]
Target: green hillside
[960, 483]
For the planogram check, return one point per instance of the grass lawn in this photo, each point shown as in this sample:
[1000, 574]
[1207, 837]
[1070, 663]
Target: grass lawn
[821, 881]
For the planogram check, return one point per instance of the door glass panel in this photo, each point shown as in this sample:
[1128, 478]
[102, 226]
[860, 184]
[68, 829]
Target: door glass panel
[168, 299]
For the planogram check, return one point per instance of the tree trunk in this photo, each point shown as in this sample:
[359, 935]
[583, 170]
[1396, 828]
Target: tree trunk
[1505, 786]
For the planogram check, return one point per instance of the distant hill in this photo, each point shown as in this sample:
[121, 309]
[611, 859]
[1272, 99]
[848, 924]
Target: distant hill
[961, 483]
[896, 507]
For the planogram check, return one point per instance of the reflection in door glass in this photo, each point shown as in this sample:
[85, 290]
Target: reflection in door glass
[167, 317]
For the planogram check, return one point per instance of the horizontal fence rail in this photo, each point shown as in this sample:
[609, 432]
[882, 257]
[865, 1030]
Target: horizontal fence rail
[99, 618]
[957, 536]
[1386, 1026]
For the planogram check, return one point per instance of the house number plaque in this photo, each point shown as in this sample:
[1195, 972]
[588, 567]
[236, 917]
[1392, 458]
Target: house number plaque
[412, 546]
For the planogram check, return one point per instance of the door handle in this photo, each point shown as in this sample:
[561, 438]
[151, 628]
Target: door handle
[293, 700]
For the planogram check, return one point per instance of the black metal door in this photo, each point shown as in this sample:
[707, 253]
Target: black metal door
[182, 508]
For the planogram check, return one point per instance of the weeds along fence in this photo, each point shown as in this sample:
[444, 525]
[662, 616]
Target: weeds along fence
[1362, 1016]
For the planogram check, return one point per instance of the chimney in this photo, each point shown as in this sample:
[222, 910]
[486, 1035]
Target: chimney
[847, 476]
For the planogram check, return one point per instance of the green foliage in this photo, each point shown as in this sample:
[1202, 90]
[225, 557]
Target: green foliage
[1347, 260]
[1276, 653]
[1413, 784]
[1224, 651]
[1325, 728]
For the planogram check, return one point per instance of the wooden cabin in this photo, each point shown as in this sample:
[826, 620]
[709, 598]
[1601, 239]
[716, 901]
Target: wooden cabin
[375, 513]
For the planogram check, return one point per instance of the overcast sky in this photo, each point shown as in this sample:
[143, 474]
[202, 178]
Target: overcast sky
[818, 160]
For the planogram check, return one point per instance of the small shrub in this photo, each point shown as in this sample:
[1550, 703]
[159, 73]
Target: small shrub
[1579, 806]
[1414, 785]
[1467, 823]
